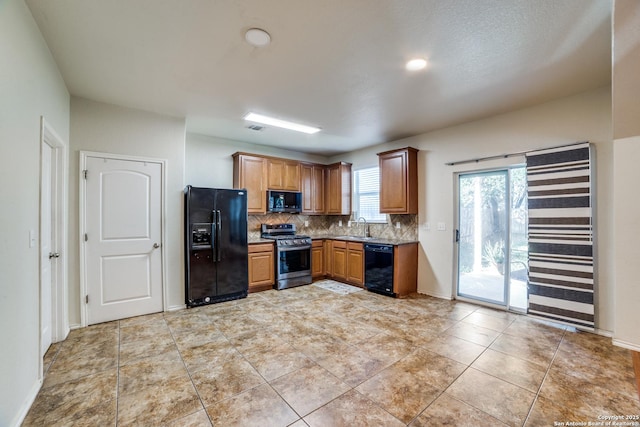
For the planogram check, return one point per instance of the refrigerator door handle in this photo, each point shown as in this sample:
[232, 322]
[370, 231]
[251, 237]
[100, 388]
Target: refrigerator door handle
[214, 236]
[219, 228]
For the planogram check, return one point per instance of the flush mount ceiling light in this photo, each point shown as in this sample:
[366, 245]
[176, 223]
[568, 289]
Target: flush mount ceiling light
[266, 120]
[416, 64]
[257, 37]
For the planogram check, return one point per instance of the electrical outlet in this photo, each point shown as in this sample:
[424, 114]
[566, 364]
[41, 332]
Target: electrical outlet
[442, 226]
[348, 224]
[306, 223]
[339, 223]
[398, 225]
[427, 226]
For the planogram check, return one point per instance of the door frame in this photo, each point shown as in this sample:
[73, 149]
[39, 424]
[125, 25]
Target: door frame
[456, 247]
[59, 221]
[82, 222]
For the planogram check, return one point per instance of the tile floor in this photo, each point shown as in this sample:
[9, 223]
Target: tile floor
[309, 356]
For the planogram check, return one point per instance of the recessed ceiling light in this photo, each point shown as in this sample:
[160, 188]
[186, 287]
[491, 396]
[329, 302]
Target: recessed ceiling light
[266, 120]
[416, 64]
[257, 37]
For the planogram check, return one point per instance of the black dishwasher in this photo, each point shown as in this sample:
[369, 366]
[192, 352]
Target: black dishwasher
[378, 268]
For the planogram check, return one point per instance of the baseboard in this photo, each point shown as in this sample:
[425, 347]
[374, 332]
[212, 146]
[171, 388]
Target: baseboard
[24, 409]
[176, 307]
[74, 326]
[627, 345]
[448, 298]
[603, 333]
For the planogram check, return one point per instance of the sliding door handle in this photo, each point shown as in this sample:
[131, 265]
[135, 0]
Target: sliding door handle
[457, 236]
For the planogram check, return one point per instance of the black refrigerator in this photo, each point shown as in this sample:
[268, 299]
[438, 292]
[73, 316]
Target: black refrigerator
[216, 251]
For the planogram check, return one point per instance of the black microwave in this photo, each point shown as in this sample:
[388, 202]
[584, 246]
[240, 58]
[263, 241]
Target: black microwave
[284, 201]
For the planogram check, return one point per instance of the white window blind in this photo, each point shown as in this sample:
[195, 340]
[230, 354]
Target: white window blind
[366, 195]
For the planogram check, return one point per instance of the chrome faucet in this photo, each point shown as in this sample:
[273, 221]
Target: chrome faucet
[364, 228]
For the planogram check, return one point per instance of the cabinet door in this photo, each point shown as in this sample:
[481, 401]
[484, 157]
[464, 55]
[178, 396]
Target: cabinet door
[291, 177]
[339, 261]
[312, 186]
[333, 190]
[250, 172]
[399, 181]
[317, 260]
[318, 189]
[306, 186]
[261, 271]
[328, 258]
[284, 174]
[393, 183]
[355, 264]
[276, 174]
[338, 189]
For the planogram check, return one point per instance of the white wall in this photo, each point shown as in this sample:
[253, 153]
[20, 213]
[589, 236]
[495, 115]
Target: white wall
[626, 66]
[111, 129]
[627, 249]
[31, 87]
[584, 117]
[209, 163]
[626, 127]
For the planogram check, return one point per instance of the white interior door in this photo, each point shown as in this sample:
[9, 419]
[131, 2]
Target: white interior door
[123, 216]
[47, 257]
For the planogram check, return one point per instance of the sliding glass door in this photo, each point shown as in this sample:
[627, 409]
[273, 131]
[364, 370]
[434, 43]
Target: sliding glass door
[491, 237]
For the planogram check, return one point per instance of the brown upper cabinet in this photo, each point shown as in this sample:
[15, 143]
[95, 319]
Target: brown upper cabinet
[283, 174]
[250, 173]
[338, 189]
[399, 181]
[312, 187]
[325, 189]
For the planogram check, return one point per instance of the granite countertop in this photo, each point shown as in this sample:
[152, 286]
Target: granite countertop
[259, 240]
[377, 240]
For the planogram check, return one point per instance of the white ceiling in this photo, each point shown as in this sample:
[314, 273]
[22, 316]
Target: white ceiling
[335, 64]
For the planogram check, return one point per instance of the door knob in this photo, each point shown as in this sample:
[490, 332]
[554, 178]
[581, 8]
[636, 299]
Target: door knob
[156, 246]
[54, 255]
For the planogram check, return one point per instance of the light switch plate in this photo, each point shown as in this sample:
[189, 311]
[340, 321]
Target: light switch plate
[442, 226]
[306, 223]
[339, 223]
[398, 225]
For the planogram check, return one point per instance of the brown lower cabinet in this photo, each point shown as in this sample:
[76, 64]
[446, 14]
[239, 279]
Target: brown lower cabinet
[405, 269]
[339, 260]
[261, 267]
[344, 261]
[355, 264]
[336, 259]
[317, 259]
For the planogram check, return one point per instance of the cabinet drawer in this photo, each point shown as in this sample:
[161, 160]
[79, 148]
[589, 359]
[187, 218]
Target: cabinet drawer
[353, 246]
[260, 247]
[339, 244]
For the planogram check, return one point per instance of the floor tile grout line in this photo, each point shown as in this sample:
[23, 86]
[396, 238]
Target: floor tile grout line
[188, 372]
[535, 399]
[509, 382]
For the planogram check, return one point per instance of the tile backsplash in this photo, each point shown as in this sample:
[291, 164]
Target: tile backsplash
[320, 225]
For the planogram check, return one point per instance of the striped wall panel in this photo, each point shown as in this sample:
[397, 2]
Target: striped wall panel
[561, 273]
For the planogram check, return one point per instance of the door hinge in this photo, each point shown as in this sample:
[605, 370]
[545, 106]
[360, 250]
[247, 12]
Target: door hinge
[86, 237]
[86, 299]
[84, 172]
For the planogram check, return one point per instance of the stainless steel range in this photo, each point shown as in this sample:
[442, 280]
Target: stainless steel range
[293, 255]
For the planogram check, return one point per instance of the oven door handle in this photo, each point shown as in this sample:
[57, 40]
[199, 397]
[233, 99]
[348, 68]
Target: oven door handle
[293, 248]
